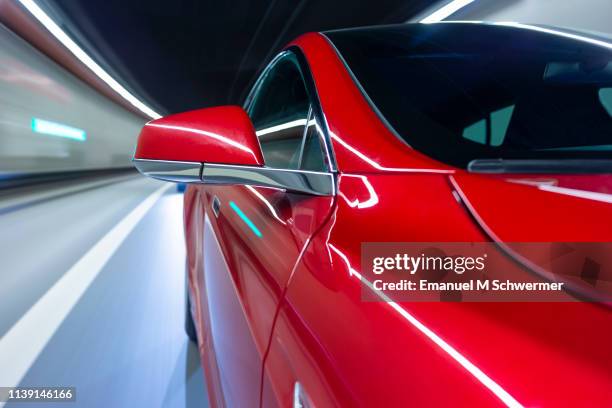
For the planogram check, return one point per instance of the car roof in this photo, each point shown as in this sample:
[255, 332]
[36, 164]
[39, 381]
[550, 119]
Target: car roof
[595, 37]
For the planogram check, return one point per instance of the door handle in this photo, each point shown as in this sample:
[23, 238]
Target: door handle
[216, 206]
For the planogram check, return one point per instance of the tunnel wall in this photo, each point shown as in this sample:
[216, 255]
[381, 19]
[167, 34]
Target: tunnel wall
[45, 112]
[593, 15]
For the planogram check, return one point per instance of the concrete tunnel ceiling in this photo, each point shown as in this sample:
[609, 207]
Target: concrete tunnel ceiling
[190, 54]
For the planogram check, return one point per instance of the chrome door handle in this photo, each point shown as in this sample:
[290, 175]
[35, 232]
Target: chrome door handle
[216, 206]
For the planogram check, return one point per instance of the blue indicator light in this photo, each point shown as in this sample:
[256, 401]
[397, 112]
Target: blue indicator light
[246, 219]
[46, 127]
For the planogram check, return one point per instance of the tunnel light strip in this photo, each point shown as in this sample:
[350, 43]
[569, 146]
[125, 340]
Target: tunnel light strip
[445, 11]
[484, 379]
[46, 127]
[62, 37]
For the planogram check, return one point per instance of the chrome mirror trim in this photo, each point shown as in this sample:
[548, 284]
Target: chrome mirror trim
[175, 171]
[300, 181]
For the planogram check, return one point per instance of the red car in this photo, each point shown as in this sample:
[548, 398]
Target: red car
[453, 132]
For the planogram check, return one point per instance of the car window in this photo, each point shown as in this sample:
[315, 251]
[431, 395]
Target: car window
[464, 92]
[279, 111]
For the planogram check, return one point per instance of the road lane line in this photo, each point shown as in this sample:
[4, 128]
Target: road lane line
[21, 345]
[29, 199]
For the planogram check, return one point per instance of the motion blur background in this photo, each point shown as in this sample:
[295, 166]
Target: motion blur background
[78, 79]
[177, 56]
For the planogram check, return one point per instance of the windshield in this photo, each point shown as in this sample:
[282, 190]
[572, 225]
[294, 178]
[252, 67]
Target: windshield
[460, 92]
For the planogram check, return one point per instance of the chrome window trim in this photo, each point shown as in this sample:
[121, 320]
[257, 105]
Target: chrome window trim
[304, 134]
[297, 181]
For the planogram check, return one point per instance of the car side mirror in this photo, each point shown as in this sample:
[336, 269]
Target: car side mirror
[217, 146]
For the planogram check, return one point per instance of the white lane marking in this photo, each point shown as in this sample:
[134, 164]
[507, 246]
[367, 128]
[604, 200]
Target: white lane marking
[24, 341]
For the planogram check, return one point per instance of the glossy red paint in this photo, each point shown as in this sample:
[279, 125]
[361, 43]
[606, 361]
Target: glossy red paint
[362, 353]
[238, 297]
[372, 355]
[518, 211]
[223, 134]
[286, 307]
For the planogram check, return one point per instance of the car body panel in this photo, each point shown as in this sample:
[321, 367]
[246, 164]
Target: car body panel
[243, 272]
[362, 353]
[222, 134]
[528, 349]
[299, 307]
[533, 209]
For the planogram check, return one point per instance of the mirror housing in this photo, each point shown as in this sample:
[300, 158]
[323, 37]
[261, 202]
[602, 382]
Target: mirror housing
[174, 147]
[217, 146]
[223, 134]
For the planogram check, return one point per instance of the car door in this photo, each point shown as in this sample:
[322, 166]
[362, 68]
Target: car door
[253, 236]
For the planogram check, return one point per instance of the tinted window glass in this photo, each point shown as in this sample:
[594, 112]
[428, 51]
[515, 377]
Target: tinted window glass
[279, 112]
[313, 156]
[460, 92]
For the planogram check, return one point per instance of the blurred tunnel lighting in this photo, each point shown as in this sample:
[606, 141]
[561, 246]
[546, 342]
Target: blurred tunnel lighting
[62, 37]
[57, 129]
[446, 11]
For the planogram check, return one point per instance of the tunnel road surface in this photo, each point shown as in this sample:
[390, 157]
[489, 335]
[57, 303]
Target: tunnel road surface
[92, 295]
